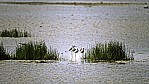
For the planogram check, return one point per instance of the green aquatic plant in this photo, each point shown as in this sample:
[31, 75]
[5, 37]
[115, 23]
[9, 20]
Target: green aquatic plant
[35, 51]
[52, 54]
[14, 33]
[3, 54]
[111, 51]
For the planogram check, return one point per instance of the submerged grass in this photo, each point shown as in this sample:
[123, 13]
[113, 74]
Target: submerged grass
[35, 51]
[112, 51]
[3, 54]
[14, 33]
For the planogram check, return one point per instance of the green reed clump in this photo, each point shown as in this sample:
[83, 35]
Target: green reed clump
[52, 54]
[14, 33]
[3, 54]
[35, 51]
[111, 51]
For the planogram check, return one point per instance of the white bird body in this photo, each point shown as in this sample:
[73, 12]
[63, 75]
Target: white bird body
[82, 51]
[72, 49]
[76, 50]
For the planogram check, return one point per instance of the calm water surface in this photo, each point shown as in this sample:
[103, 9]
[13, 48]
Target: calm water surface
[62, 26]
[66, 73]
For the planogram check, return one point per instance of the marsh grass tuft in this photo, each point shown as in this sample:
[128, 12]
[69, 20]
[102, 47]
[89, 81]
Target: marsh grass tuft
[3, 54]
[112, 51]
[14, 33]
[35, 51]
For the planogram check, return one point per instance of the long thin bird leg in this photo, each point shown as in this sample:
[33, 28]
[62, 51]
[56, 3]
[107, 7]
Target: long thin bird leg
[75, 57]
[71, 56]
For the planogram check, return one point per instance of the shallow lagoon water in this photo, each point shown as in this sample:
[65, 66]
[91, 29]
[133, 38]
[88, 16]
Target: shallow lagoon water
[15, 72]
[62, 26]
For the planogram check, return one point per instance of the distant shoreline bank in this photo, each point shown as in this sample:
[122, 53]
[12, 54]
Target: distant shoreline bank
[76, 3]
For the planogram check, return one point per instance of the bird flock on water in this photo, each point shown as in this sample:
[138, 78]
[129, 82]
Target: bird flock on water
[75, 50]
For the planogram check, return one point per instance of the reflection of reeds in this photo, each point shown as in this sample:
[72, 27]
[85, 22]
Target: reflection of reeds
[3, 55]
[111, 51]
[14, 33]
[35, 51]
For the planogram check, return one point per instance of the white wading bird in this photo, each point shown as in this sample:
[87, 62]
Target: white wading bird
[82, 51]
[76, 51]
[72, 49]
